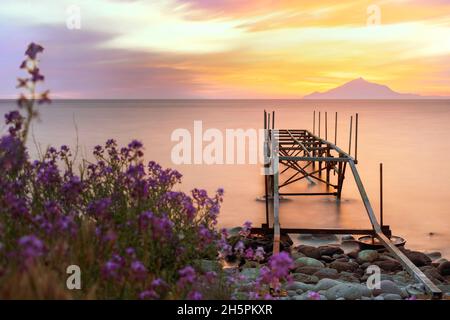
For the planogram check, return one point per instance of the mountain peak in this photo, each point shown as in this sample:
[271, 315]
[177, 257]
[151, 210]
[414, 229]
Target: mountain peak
[360, 88]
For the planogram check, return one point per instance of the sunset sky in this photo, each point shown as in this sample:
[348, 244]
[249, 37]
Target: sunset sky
[227, 48]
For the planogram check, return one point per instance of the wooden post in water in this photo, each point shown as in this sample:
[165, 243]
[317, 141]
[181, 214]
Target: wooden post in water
[319, 126]
[356, 139]
[328, 150]
[350, 137]
[341, 176]
[335, 129]
[273, 120]
[314, 122]
[328, 167]
[381, 196]
[265, 119]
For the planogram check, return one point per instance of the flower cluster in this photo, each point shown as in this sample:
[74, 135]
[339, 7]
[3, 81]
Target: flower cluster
[28, 99]
[115, 216]
[268, 284]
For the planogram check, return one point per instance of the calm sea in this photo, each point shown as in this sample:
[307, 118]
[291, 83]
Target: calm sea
[410, 138]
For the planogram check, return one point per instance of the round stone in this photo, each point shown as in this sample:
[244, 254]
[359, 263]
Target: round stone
[308, 262]
[368, 255]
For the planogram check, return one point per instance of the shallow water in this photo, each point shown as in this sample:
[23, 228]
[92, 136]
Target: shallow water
[410, 138]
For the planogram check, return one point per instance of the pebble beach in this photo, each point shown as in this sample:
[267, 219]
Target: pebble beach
[336, 268]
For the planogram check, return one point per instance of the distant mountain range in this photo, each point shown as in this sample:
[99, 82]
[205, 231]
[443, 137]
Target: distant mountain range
[363, 89]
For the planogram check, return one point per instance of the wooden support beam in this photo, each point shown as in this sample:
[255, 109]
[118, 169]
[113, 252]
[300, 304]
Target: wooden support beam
[287, 194]
[410, 267]
[325, 159]
[316, 231]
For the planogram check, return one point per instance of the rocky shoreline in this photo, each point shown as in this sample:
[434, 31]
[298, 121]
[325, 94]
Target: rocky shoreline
[339, 271]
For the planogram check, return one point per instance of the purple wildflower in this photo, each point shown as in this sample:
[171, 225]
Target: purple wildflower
[259, 254]
[130, 252]
[33, 49]
[280, 264]
[139, 271]
[158, 282]
[135, 144]
[100, 208]
[205, 234]
[239, 247]
[111, 269]
[31, 247]
[187, 276]
[249, 254]
[210, 276]
[246, 228]
[72, 189]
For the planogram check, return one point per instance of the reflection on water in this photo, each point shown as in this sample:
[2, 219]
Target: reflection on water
[411, 138]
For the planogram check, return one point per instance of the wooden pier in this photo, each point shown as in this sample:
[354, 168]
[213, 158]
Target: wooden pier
[301, 155]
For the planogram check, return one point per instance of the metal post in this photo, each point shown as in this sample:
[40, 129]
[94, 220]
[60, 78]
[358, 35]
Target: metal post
[350, 137]
[381, 196]
[265, 119]
[356, 139]
[314, 122]
[326, 125]
[335, 129]
[273, 119]
[328, 168]
[319, 125]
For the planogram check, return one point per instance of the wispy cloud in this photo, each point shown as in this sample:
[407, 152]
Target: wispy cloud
[218, 48]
